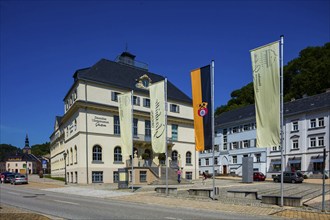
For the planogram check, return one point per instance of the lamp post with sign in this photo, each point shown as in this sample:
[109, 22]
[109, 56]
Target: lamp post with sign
[64, 154]
[27, 167]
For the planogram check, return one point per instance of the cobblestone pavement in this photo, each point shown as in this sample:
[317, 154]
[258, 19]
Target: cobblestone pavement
[310, 190]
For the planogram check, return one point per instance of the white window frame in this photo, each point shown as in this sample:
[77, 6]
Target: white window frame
[312, 142]
[174, 108]
[114, 96]
[146, 102]
[246, 144]
[234, 159]
[321, 122]
[295, 144]
[320, 141]
[313, 123]
[295, 126]
[136, 100]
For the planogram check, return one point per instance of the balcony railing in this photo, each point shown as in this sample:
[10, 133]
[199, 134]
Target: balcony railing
[145, 138]
[130, 62]
[142, 137]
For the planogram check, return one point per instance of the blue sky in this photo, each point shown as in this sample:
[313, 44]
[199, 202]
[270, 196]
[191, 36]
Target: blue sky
[42, 43]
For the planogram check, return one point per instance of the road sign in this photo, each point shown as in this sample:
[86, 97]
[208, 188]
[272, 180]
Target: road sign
[44, 164]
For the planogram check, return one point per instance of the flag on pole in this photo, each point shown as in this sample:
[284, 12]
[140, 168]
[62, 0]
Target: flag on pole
[125, 120]
[157, 114]
[202, 107]
[266, 81]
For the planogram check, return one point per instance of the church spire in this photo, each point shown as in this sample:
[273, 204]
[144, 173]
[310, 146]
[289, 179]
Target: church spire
[27, 144]
[27, 149]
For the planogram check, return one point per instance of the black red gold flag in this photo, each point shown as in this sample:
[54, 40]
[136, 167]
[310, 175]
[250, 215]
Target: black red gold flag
[202, 107]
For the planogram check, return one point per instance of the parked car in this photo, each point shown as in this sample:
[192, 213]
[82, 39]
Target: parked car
[9, 177]
[19, 178]
[289, 177]
[5, 174]
[259, 176]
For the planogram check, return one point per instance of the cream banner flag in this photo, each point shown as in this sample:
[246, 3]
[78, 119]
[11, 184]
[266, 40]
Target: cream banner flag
[266, 80]
[157, 114]
[125, 119]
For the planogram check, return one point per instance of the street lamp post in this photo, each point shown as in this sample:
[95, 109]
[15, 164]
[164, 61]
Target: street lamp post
[27, 167]
[64, 154]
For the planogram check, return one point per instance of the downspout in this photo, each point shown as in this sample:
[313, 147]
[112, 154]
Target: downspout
[87, 179]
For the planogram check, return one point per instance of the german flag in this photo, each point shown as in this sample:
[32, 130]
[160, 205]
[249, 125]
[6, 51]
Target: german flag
[202, 107]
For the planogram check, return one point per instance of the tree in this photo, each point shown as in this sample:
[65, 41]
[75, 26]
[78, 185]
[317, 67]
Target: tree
[309, 74]
[7, 150]
[41, 149]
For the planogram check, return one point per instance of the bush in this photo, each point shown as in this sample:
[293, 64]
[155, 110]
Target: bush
[55, 178]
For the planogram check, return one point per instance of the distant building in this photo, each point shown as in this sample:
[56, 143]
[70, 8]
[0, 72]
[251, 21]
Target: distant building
[306, 134]
[89, 131]
[23, 163]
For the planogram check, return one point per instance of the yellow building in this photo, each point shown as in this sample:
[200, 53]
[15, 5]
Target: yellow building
[86, 139]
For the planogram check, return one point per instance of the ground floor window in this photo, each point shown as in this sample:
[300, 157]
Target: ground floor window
[143, 176]
[188, 175]
[97, 176]
[317, 167]
[76, 174]
[115, 177]
[295, 166]
[276, 167]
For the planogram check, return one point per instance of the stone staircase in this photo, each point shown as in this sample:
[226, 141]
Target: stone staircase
[316, 176]
[172, 177]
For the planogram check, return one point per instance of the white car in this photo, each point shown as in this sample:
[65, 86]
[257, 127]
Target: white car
[19, 178]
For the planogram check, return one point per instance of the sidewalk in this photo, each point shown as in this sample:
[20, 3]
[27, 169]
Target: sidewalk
[147, 195]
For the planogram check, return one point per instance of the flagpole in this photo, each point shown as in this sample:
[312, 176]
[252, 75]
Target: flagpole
[166, 154]
[212, 122]
[281, 118]
[132, 140]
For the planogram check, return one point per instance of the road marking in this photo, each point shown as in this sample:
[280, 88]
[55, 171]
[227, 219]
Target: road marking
[72, 203]
[172, 218]
[13, 193]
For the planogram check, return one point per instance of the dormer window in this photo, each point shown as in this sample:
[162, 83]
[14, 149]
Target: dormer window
[143, 82]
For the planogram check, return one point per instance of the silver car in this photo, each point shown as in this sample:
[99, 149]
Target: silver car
[19, 179]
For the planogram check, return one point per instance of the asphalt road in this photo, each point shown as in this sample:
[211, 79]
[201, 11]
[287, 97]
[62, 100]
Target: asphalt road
[68, 206]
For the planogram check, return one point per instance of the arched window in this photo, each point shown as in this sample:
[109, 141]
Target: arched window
[67, 158]
[174, 155]
[188, 157]
[97, 153]
[147, 151]
[75, 124]
[75, 154]
[117, 154]
[71, 156]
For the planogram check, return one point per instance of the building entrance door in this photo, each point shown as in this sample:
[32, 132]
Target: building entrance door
[224, 169]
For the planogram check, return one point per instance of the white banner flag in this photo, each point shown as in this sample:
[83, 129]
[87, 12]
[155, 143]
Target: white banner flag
[157, 114]
[266, 81]
[125, 119]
